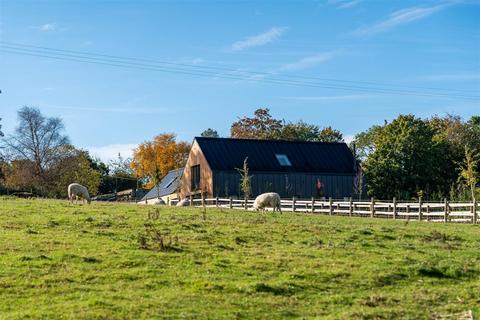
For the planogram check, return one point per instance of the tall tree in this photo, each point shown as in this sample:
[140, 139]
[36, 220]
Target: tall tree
[37, 138]
[364, 142]
[328, 134]
[153, 159]
[261, 126]
[299, 131]
[75, 166]
[405, 160]
[210, 133]
[468, 173]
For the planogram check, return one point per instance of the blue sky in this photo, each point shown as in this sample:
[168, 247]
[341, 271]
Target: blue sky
[383, 56]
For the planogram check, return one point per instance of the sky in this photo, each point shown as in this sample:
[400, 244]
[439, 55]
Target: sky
[120, 72]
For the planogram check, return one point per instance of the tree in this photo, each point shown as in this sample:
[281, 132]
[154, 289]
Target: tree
[404, 161]
[364, 142]
[264, 126]
[1, 133]
[153, 159]
[37, 139]
[210, 133]
[245, 179]
[299, 131]
[468, 174]
[76, 166]
[19, 175]
[328, 134]
[261, 126]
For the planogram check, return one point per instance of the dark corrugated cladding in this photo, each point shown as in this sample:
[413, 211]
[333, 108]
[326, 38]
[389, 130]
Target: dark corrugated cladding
[330, 163]
[308, 157]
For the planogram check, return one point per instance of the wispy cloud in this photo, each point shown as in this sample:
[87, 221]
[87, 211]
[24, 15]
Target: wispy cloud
[308, 62]
[47, 27]
[453, 77]
[331, 98]
[110, 152]
[344, 4]
[259, 39]
[400, 17]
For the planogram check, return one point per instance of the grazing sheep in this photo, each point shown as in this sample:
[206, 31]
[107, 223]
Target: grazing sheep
[75, 190]
[269, 199]
[183, 203]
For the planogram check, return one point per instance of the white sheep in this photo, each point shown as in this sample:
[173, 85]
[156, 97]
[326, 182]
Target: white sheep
[183, 203]
[75, 190]
[269, 199]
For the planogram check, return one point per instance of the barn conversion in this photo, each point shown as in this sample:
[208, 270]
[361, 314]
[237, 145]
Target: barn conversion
[290, 168]
[165, 190]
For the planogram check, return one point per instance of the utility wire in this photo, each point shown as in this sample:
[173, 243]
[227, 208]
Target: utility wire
[150, 67]
[255, 73]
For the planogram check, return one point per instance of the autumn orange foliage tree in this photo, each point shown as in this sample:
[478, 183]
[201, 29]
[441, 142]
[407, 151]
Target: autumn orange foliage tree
[153, 159]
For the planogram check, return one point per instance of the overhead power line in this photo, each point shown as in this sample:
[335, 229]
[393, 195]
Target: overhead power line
[234, 70]
[205, 71]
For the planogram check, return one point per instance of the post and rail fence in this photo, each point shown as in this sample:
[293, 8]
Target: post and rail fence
[443, 212]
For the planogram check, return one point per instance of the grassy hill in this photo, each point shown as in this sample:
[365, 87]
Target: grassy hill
[111, 261]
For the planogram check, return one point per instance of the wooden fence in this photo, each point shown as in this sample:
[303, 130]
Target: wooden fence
[459, 212]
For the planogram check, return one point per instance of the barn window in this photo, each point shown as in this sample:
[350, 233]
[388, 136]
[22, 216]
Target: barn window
[195, 177]
[283, 160]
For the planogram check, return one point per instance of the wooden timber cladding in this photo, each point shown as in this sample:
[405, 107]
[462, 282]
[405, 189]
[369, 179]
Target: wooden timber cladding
[196, 157]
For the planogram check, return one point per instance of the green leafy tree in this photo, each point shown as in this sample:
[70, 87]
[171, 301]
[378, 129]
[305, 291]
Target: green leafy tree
[405, 159]
[264, 126]
[75, 167]
[468, 173]
[210, 133]
[245, 179]
[328, 134]
[364, 142]
[299, 131]
[261, 126]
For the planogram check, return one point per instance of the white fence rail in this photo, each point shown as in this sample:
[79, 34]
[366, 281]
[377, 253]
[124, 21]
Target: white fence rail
[459, 212]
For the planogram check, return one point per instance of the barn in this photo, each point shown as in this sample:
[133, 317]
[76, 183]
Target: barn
[290, 168]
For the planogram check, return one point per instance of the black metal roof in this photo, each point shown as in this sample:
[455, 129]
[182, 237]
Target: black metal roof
[227, 154]
[168, 185]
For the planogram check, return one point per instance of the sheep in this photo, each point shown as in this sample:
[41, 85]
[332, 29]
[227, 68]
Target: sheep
[269, 199]
[75, 190]
[183, 203]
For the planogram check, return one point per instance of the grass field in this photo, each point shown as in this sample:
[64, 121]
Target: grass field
[59, 260]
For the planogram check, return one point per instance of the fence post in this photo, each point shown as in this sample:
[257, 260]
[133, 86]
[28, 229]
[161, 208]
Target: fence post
[246, 203]
[420, 213]
[313, 205]
[372, 208]
[350, 207]
[293, 204]
[216, 201]
[231, 203]
[445, 212]
[474, 211]
[191, 201]
[394, 208]
[203, 199]
[330, 206]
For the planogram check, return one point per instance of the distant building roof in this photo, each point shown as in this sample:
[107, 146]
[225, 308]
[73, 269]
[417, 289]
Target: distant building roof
[168, 185]
[227, 154]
